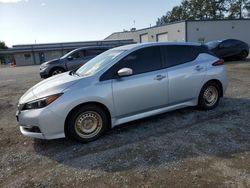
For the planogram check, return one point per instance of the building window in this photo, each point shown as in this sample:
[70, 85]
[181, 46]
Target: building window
[27, 56]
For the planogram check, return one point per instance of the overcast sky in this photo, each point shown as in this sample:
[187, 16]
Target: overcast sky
[24, 21]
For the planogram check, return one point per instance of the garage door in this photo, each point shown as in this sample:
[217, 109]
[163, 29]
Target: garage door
[144, 38]
[162, 37]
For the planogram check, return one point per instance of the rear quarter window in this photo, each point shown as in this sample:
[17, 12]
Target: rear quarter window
[180, 54]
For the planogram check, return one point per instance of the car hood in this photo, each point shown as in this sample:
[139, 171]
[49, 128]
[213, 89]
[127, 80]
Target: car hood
[53, 61]
[54, 85]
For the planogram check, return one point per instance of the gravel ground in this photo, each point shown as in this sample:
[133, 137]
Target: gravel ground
[184, 148]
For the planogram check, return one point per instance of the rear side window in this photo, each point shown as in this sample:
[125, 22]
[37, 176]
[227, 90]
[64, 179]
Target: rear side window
[179, 54]
[141, 61]
[94, 52]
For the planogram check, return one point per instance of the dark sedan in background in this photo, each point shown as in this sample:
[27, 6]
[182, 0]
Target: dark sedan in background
[70, 61]
[229, 49]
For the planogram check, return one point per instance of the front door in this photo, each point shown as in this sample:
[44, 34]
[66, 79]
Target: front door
[75, 60]
[146, 89]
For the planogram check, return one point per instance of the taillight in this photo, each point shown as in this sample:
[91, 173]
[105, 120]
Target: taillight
[219, 62]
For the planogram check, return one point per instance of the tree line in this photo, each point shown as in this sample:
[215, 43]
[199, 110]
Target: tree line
[2, 47]
[207, 9]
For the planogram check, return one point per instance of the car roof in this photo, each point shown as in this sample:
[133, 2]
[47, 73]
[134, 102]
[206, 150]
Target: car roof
[223, 40]
[148, 44]
[93, 47]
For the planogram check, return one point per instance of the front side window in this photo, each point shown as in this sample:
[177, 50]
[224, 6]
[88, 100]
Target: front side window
[213, 44]
[143, 60]
[226, 44]
[94, 52]
[78, 54]
[140, 61]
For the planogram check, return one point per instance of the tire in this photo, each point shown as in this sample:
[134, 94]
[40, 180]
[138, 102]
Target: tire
[56, 71]
[209, 96]
[87, 123]
[243, 55]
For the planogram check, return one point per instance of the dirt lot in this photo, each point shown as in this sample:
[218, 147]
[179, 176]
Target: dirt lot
[184, 148]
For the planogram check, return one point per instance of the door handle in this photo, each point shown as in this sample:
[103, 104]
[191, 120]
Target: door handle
[159, 77]
[198, 68]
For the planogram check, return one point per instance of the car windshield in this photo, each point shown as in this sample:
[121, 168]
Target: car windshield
[98, 63]
[213, 44]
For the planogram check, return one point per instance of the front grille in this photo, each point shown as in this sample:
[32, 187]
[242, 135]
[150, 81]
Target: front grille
[33, 129]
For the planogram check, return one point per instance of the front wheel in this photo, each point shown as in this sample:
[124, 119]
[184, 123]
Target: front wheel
[209, 96]
[87, 123]
[56, 71]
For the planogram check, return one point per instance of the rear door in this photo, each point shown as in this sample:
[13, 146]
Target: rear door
[185, 74]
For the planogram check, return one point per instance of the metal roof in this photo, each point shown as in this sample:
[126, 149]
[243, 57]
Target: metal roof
[64, 46]
[181, 21]
[148, 44]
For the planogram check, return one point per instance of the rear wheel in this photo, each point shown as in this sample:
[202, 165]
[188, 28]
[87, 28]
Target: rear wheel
[87, 123]
[209, 96]
[243, 55]
[56, 71]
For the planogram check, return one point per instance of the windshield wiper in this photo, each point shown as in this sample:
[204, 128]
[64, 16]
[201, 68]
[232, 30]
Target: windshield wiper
[73, 72]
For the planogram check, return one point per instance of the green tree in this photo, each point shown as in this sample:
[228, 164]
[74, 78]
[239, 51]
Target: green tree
[3, 45]
[206, 9]
[239, 9]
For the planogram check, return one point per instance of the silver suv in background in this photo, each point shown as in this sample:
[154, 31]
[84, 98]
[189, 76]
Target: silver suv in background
[70, 61]
[121, 85]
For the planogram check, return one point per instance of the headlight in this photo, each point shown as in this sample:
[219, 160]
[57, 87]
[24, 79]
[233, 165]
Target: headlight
[43, 67]
[41, 103]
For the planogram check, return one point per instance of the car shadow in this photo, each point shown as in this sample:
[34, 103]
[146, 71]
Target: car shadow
[236, 60]
[159, 140]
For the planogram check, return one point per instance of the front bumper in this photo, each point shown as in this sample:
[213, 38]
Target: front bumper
[41, 123]
[44, 73]
[26, 132]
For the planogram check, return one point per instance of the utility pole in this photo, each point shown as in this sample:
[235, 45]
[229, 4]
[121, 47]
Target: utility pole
[241, 2]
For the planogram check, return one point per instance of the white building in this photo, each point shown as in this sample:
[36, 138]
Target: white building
[191, 31]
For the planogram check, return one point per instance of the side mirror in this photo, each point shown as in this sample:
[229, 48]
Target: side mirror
[125, 72]
[70, 58]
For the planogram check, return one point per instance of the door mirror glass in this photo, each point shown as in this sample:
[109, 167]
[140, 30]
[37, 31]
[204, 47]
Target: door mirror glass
[125, 72]
[70, 58]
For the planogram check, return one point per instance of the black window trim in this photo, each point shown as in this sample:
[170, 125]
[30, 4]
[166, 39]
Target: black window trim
[116, 64]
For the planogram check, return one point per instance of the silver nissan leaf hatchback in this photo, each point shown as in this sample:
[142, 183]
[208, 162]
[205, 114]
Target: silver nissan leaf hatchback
[121, 85]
